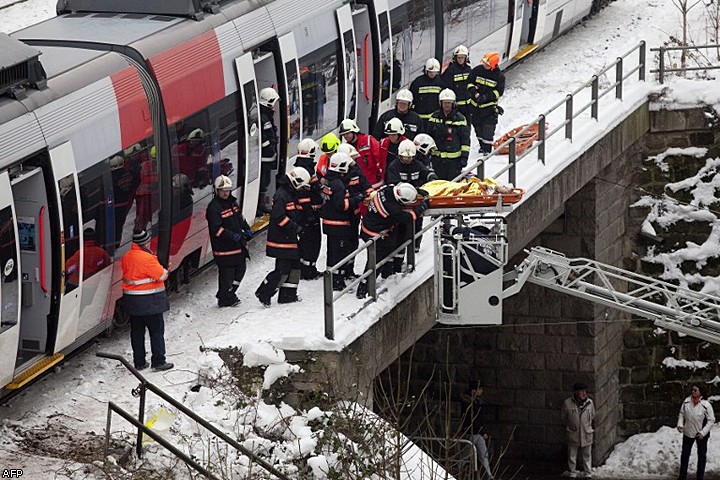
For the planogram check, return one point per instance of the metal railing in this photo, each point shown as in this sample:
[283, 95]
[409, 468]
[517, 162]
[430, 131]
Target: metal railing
[139, 423]
[451, 453]
[571, 113]
[663, 70]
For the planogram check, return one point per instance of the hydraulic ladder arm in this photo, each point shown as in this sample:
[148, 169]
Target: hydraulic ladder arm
[669, 306]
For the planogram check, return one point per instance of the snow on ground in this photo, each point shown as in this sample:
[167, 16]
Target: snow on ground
[76, 395]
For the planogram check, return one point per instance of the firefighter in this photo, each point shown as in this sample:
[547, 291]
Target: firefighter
[410, 119]
[451, 132]
[229, 233]
[425, 145]
[338, 214]
[268, 98]
[425, 90]
[145, 300]
[367, 147]
[192, 158]
[328, 145]
[310, 201]
[456, 77]
[395, 133]
[486, 86]
[386, 212]
[282, 239]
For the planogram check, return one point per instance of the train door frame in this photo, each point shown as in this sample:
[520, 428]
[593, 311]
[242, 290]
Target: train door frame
[250, 176]
[540, 12]
[289, 67]
[9, 327]
[344, 16]
[366, 46]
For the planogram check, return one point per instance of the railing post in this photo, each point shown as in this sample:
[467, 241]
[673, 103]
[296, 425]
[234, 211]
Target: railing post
[594, 94]
[481, 168]
[512, 173]
[372, 263]
[411, 249]
[108, 424]
[141, 419]
[661, 66]
[619, 78]
[642, 60]
[329, 307]
[568, 117]
[541, 138]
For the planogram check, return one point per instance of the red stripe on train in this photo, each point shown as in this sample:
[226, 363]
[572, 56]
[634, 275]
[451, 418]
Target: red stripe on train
[190, 76]
[135, 123]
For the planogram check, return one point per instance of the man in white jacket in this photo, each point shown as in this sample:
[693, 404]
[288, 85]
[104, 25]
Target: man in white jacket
[578, 414]
[694, 422]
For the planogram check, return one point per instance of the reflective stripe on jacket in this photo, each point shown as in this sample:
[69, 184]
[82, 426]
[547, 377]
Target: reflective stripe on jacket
[142, 272]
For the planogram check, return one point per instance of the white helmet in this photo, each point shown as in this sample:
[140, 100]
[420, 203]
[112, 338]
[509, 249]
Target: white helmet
[181, 181]
[461, 50]
[447, 95]
[394, 125]
[348, 125]
[117, 162]
[299, 178]
[132, 149]
[268, 97]
[432, 65]
[349, 150]
[223, 183]
[340, 163]
[404, 95]
[306, 147]
[405, 193]
[424, 143]
[407, 149]
[197, 134]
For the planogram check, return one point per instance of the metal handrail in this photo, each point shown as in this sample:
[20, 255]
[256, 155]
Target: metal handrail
[140, 391]
[571, 113]
[443, 440]
[662, 70]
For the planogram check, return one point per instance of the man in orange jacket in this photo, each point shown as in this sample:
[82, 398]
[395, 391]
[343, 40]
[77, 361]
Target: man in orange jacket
[145, 300]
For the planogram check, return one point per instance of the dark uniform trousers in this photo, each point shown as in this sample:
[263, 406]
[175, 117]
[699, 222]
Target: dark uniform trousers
[229, 279]
[383, 248]
[285, 278]
[339, 247]
[484, 121]
[156, 326]
[309, 242]
[446, 168]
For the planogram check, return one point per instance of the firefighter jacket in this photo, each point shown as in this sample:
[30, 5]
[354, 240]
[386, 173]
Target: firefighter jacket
[143, 283]
[389, 150]
[425, 92]
[269, 135]
[488, 85]
[95, 259]
[410, 119]
[415, 173]
[285, 222]
[338, 207]
[457, 77]
[310, 201]
[451, 134]
[322, 165]
[383, 213]
[358, 184]
[224, 220]
[369, 160]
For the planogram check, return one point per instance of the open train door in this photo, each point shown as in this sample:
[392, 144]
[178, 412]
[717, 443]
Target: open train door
[9, 282]
[291, 69]
[250, 176]
[350, 59]
[71, 252]
[524, 28]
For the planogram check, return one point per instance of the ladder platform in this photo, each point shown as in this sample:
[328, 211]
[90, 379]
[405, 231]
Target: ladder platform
[42, 366]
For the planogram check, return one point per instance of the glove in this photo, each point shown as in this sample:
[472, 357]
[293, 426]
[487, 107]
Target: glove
[480, 99]
[236, 237]
[499, 110]
[699, 436]
[420, 209]
[423, 192]
[447, 228]
[432, 176]
[298, 228]
[248, 233]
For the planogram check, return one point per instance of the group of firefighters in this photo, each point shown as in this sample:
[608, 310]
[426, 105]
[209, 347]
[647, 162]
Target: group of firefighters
[361, 188]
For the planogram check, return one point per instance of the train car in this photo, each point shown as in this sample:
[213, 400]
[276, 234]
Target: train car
[116, 116]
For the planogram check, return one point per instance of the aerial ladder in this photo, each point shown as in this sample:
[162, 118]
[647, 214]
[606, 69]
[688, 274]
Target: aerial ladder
[470, 282]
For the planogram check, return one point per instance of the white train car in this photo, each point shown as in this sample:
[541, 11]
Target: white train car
[99, 106]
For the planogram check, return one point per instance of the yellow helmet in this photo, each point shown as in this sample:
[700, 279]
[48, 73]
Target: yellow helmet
[153, 152]
[329, 143]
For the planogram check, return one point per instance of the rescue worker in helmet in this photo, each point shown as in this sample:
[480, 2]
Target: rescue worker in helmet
[394, 134]
[329, 144]
[386, 212]
[456, 77]
[451, 132]
[282, 240]
[406, 169]
[426, 88]
[338, 214]
[268, 143]
[229, 233]
[310, 202]
[486, 85]
[368, 148]
[425, 145]
[411, 120]
[192, 157]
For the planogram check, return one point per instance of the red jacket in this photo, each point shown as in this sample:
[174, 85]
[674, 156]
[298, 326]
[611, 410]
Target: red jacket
[370, 161]
[388, 151]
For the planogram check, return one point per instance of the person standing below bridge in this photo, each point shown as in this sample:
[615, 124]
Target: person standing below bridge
[471, 406]
[694, 422]
[578, 414]
[486, 85]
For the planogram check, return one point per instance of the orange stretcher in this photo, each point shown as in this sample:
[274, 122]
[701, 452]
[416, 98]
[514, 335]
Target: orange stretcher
[523, 141]
[514, 196]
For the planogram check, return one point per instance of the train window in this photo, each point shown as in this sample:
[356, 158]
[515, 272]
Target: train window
[413, 30]
[385, 57]
[147, 194]
[253, 126]
[71, 225]
[98, 235]
[193, 152]
[8, 271]
[402, 43]
[351, 73]
[488, 17]
[457, 18]
[293, 86]
[319, 72]
[125, 177]
[229, 121]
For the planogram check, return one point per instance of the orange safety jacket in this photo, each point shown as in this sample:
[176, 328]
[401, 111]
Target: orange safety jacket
[142, 272]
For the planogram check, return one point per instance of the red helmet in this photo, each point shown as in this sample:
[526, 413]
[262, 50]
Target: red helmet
[491, 60]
